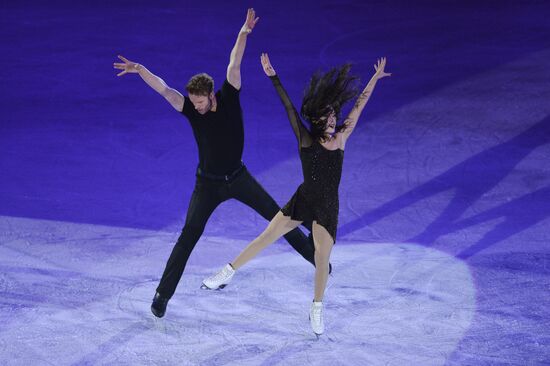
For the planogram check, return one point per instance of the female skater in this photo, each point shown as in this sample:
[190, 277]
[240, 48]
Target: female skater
[321, 151]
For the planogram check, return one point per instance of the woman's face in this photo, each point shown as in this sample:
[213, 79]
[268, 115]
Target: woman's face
[330, 122]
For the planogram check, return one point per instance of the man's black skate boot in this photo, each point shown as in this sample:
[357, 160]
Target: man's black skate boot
[158, 307]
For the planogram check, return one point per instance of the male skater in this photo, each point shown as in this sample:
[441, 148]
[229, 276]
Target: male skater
[217, 123]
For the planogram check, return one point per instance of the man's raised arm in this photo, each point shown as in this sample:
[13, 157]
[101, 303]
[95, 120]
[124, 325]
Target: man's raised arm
[234, 67]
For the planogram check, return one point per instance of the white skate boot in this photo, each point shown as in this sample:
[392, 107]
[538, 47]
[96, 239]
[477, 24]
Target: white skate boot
[316, 318]
[220, 279]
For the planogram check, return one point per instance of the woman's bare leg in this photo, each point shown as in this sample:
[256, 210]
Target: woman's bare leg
[323, 246]
[278, 226]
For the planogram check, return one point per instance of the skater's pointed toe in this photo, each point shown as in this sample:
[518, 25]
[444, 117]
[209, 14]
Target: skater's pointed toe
[316, 318]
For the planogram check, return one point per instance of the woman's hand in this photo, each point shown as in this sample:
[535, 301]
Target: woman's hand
[268, 69]
[379, 67]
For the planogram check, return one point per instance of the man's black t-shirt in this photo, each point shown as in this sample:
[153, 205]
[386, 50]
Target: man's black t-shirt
[220, 134]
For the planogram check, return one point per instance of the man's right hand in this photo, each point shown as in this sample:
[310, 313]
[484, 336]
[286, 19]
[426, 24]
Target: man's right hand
[126, 67]
[250, 21]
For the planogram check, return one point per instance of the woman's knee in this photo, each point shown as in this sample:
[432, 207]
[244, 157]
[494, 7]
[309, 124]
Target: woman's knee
[322, 252]
[322, 257]
[276, 228]
[270, 233]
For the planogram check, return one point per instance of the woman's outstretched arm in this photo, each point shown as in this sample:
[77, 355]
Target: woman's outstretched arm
[299, 129]
[351, 120]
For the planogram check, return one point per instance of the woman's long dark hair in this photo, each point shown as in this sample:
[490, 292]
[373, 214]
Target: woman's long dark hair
[325, 93]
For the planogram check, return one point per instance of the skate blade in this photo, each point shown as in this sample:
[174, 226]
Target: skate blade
[160, 325]
[204, 287]
[318, 335]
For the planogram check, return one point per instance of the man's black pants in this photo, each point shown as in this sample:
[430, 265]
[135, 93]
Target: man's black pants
[207, 195]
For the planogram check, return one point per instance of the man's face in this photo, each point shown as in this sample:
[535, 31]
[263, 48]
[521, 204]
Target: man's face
[202, 103]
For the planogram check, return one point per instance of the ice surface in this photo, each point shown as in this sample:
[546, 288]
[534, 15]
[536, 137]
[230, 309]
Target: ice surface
[84, 305]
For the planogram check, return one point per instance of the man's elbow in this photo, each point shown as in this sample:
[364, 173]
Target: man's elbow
[165, 91]
[233, 70]
[234, 78]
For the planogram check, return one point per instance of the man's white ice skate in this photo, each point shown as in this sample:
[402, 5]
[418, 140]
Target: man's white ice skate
[220, 279]
[316, 318]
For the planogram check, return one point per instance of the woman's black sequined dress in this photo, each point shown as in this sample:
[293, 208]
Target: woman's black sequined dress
[317, 197]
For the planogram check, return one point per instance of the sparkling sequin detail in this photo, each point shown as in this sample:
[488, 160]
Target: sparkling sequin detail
[317, 197]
